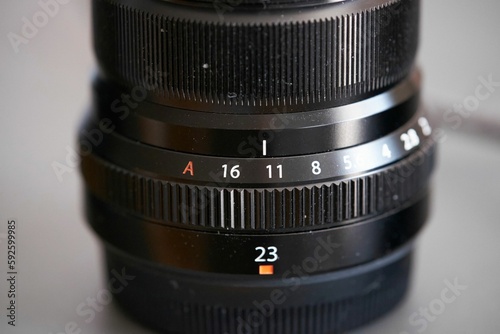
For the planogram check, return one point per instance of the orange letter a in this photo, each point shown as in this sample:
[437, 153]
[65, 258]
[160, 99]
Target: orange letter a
[189, 169]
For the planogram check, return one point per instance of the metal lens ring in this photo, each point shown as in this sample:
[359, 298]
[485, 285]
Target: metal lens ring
[257, 167]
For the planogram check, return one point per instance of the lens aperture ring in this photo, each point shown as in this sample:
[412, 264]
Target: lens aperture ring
[199, 59]
[277, 207]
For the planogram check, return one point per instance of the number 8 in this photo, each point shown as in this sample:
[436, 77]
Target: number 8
[316, 168]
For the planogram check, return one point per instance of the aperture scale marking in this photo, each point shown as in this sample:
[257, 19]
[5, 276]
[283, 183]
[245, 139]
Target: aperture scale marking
[234, 172]
[356, 162]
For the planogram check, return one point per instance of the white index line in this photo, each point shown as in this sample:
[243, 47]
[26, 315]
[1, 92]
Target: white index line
[242, 210]
[264, 147]
[232, 209]
[222, 208]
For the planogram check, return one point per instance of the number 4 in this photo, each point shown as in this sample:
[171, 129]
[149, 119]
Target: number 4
[386, 152]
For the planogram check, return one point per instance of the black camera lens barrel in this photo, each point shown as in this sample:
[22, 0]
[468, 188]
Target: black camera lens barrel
[264, 167]
[296, 192]
[273, 134]
[299, 302]
[200, 55]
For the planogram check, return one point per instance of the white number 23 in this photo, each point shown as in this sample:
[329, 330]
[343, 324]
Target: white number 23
[267, 255]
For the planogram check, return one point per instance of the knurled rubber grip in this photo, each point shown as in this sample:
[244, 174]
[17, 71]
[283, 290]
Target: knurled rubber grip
[279, 209]
[195, 56]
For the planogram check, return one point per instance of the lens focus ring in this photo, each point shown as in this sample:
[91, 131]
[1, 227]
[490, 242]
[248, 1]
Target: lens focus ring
[328, 54]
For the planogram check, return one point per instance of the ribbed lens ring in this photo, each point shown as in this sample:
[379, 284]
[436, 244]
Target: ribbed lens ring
[294, 208]
[234, 135]
[189, 190]
[329, 54]
[238, 150]
[254, 3]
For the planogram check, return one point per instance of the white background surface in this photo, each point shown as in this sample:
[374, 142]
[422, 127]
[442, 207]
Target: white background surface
[44, 92]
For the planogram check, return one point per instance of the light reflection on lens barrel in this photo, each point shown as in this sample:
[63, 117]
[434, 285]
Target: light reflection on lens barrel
[264, 167]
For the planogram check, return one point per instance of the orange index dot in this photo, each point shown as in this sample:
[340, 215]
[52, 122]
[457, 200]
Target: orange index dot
[267, 269]
[189, 169]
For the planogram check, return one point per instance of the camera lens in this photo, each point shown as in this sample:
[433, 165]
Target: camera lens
[257, 166]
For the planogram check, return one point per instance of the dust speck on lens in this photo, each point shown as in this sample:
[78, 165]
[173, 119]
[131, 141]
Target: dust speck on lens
[275, 177]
